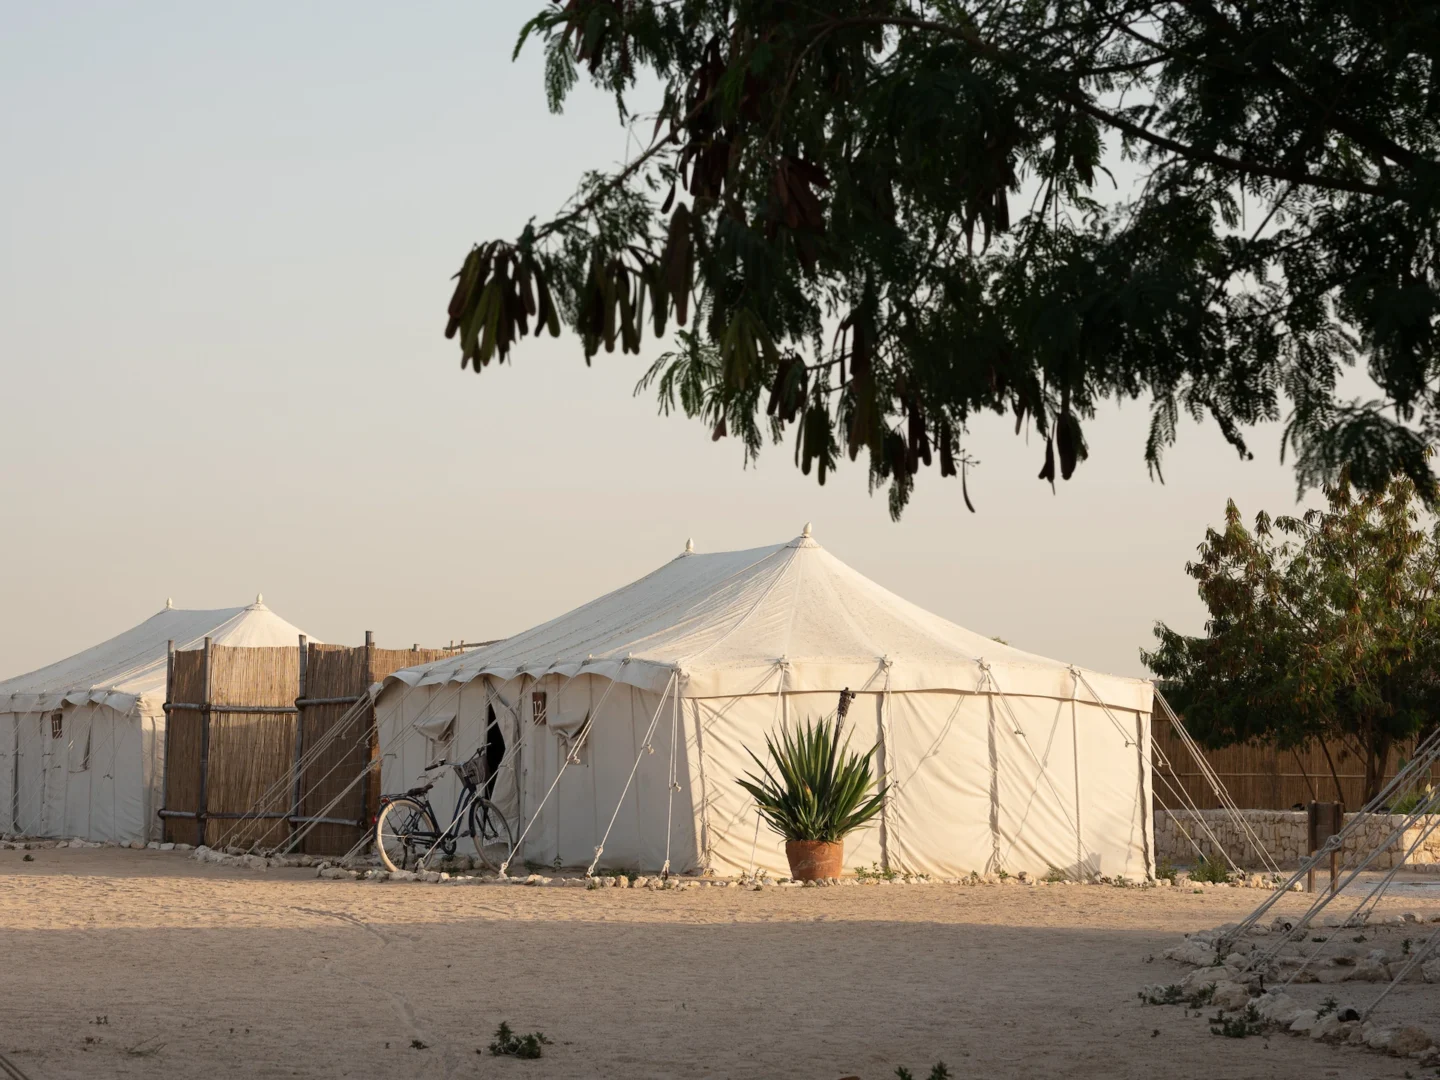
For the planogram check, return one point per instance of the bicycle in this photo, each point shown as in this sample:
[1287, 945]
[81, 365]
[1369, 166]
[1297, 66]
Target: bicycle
[407, 831]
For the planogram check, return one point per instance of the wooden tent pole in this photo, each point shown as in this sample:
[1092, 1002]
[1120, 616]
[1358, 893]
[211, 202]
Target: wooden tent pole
[203, 802]
[296, 771]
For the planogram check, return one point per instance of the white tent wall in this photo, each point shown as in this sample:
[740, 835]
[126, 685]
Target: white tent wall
[99, 779]
[1035, 784]
[593, 790]
[965, 793]
[1037, 813]
[152, 764]
[34, 772]
[8, 752]
[572, 821]
[968, 791]
[1115, 790]
[940, 812]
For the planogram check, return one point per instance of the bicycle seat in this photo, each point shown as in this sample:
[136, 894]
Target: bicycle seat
[423, 789]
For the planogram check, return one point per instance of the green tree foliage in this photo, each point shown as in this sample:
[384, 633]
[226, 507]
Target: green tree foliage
[829, 205]
[1320, 627]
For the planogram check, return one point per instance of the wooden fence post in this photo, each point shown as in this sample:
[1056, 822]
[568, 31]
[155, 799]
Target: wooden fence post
[370, 741]
[298, 773]
[165, 762]
[1324, 820]
[202, 804]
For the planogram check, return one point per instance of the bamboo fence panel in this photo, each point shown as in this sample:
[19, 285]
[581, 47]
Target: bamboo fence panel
[1262, 777]
[333, 672]
[252, 753]
[338, 672]
[182, 747]
[246, 787]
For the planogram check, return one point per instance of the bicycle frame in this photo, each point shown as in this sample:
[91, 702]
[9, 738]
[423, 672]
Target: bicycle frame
[446, 838]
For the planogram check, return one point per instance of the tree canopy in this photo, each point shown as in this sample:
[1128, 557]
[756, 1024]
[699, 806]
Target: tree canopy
[1324, 627]
[828, 215]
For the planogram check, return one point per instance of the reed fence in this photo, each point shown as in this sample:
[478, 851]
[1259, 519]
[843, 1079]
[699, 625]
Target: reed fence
[241, 727]
[1261, 777]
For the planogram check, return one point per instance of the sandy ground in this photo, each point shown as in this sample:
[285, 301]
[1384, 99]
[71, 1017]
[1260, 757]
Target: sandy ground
[147, 964]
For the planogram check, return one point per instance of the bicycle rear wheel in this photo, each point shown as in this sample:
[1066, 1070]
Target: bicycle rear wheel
[404, 832]
[494, 842]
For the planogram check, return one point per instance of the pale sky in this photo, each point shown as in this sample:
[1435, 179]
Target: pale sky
[226, 234]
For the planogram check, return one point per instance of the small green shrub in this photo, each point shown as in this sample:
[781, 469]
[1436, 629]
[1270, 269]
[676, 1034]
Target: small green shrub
[874, 872]
[1166, 871]
[1328, 1006]
[508, 1044]
[1165, 995]
[1211, 869]
[1237, 1027]
[1412, 801]
[1174, 995]
[938, 1071]
[1054, 875]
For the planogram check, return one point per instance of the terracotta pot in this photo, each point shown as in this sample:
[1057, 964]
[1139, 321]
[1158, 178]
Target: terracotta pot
[811, 860]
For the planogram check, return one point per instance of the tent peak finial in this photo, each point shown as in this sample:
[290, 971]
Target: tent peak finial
[259, 599]
[690, 546]
[169, 603]
[806, 539]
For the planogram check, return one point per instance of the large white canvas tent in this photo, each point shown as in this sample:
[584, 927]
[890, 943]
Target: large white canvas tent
[995, 758]
[82, 741]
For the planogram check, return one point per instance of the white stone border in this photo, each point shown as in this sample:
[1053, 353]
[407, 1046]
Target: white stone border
[1234, 990]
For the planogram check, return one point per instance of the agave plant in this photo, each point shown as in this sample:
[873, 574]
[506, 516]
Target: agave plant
[822, 792]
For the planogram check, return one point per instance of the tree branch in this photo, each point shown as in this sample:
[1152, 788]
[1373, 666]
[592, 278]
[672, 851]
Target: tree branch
[1080, 101]
[1379, 144]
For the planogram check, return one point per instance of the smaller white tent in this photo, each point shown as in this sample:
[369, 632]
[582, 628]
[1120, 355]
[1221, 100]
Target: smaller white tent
[82, 741]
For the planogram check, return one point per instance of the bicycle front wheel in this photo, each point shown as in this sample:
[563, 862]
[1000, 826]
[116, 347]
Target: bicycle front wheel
[404, 832]
[494, 843]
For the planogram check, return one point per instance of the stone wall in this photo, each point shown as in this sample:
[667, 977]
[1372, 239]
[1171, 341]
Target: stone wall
[1283, 832]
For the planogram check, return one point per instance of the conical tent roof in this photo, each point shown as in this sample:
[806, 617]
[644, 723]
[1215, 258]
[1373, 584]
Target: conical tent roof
[131, 665]
[727, 621]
